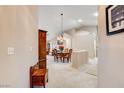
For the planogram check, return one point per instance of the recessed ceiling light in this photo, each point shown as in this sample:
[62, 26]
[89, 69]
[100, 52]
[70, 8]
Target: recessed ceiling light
[80, 20]
[95, 14]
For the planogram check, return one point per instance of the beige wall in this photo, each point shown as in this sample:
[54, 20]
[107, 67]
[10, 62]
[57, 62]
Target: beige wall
[111, 55]
[68, 41]
[82, 40]
[18, 29]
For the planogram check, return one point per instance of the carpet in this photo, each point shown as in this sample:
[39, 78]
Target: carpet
[62, 75]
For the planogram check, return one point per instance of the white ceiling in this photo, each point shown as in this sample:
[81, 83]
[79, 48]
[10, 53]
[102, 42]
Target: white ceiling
[50, 19]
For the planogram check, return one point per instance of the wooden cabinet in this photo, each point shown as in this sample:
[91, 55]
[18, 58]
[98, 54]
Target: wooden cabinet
[42, 48]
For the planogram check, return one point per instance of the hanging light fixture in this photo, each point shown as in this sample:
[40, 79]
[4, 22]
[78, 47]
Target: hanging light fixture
[61, 37]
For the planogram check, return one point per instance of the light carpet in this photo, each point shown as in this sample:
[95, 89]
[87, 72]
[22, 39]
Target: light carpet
[62, 75]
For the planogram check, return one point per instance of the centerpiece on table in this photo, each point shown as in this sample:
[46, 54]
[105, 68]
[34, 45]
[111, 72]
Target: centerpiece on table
[61, 47]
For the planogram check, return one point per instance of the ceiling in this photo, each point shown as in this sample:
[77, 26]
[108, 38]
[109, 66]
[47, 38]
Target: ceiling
[74, 17]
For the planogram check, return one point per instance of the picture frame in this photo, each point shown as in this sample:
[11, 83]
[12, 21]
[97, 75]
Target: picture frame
[114, 19]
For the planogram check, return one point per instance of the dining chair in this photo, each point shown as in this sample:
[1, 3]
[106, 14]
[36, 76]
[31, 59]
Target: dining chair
[57, 55]
[66, 50]
[53, 54]
[67, 56]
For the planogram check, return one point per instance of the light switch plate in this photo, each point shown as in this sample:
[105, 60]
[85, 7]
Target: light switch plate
[11, 51]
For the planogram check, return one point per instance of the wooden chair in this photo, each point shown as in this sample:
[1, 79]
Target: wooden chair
[48, 51]
[67, 56]
[57, 56]
[66, 50]
[53, 52]
[38, 76]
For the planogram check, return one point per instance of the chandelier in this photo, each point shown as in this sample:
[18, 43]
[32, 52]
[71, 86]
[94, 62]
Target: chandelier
[61, 37]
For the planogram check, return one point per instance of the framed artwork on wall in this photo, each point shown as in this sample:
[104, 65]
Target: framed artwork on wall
[114, 19]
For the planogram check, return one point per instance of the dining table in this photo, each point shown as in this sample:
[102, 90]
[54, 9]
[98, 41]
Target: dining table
[62, 54]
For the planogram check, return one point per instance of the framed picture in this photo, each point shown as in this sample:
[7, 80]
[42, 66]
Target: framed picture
[115, 19]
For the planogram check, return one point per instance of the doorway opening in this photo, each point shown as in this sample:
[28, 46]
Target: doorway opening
[71, 45]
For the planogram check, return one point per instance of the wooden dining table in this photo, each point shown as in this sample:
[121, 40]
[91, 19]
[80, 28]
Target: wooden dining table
[62, 54]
